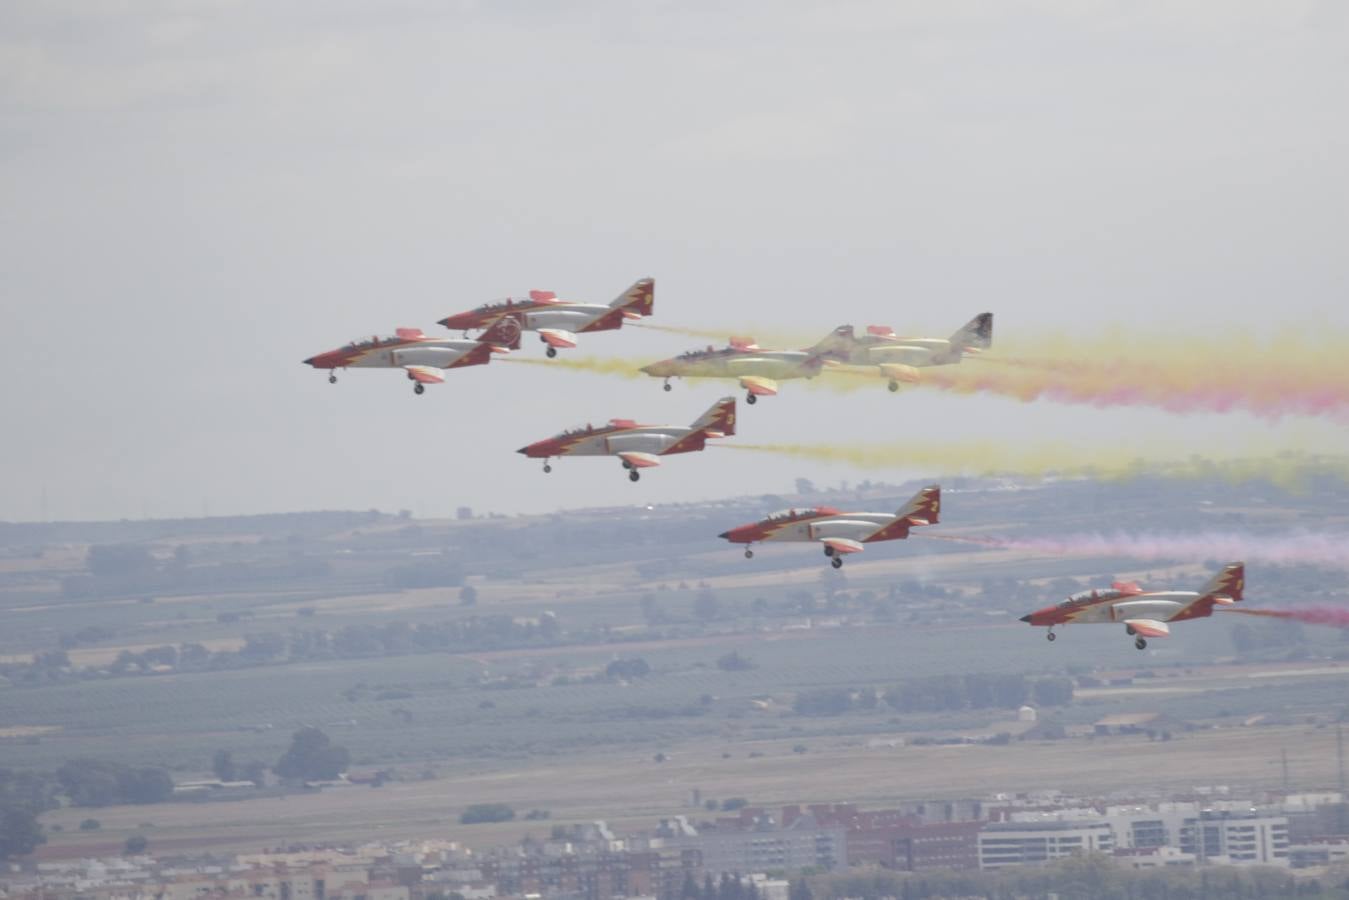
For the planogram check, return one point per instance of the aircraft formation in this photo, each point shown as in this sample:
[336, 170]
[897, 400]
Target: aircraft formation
[879, 352]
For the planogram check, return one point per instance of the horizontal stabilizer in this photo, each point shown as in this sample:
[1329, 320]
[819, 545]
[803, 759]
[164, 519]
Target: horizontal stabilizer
[556, 337]
[639, 460]
[1148, 627]
[425, 374]
[759, 386]
[842, 545]
[478, 356]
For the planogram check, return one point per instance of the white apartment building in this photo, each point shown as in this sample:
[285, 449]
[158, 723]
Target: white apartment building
[1031, 843]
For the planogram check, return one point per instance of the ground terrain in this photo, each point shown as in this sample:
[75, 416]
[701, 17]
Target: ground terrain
[525, 714]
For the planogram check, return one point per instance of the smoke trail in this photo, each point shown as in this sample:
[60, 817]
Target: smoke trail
[601, 366]
[718, 334]
[1292, 374]
[1293, 471]
[1312, 615]
[1327, 550]
[1288, 375]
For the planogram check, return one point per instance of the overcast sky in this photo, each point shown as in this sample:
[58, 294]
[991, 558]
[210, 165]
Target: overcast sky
[194, 196]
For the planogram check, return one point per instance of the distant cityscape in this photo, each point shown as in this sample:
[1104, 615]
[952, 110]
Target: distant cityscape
[760, 849]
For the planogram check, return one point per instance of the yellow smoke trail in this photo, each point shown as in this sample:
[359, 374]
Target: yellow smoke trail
[1272, 375]
[627, 368]
[1290, 470]
[711, 334]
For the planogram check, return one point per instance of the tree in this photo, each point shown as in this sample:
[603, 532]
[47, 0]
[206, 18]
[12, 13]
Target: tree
[119, 559]
[486, 812]
[312, 757]
[135, 845]
[222, 764]
[20, 832]
[627, 668]
[91, 782]
[734, 662]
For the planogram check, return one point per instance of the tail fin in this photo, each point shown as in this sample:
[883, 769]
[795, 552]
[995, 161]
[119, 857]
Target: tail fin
[720, 418]
[976, 334]
[924, 508]
[1228, 583]
[504, 332]
[837, 344]
[639, 299]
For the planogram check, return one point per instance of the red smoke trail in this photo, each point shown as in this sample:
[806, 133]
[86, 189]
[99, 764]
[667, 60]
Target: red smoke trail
[1312, 615]
[1270, 390]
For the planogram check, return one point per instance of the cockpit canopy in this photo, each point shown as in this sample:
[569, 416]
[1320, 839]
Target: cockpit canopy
[535, 297]
[372, 341]
[801, 512]
[1084, 597]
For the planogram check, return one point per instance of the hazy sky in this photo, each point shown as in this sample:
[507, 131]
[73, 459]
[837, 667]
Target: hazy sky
[194, 196]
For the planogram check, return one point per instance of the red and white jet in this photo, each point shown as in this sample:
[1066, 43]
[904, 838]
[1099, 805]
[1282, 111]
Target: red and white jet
[638, 446]
[841, 532]
[1144, 614]
[558, 321]
[422, 357]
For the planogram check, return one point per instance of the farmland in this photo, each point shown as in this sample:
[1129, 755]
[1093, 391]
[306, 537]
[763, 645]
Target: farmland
[472, 670]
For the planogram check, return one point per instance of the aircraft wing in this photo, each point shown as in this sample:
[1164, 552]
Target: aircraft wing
[1149, 627]
[556, 337]
[759, 386]
[425, 374]
[842, 545]
[639, 460]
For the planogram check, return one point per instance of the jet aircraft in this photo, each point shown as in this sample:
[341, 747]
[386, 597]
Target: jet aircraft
[1144, 614]
[840, 532]
[638, 446]
[758, 370]
[424, 358]
[558, 321]
[899, 358]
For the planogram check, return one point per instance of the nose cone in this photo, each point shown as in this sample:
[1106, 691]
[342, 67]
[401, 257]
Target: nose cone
[743, 534]
[539, 449]
[1026, 619]
[725, 534]
[659, 369]
[330, 360]
[307, 362]
[460, 320]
